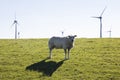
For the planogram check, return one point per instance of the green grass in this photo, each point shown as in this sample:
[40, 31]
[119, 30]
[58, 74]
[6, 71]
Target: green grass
[90, 59]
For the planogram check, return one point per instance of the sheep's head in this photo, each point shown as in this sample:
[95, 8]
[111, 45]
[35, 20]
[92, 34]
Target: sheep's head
[72, 37]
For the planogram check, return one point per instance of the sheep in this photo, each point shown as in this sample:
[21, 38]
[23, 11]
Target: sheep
[65, 43]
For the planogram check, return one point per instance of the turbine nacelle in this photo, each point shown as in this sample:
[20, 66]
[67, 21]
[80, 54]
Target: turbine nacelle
[15, 21]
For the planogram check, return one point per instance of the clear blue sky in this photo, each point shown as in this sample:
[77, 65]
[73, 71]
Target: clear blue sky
[46, 18]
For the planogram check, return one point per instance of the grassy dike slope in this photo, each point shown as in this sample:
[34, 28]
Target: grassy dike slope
[90, 59]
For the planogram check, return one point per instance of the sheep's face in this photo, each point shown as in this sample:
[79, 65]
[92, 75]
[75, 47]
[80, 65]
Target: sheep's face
[72, 37]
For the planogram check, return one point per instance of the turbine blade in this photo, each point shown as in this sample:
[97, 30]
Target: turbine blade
[95, 17]
[103, 10]
[12, 25]
[15, 15]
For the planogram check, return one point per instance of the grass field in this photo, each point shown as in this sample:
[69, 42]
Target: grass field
[90, 59]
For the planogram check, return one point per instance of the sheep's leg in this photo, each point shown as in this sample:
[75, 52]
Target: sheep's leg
[65, 53]
[50, 53]
[68, 53]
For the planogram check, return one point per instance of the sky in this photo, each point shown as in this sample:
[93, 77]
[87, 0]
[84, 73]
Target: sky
[47, 18]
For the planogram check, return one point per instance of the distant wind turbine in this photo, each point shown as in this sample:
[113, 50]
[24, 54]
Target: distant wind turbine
[15, 23]
[110, 31]
[62, 33]
[100, 17]
[18, 35]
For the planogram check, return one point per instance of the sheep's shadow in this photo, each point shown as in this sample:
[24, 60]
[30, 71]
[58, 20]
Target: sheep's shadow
[47, 68]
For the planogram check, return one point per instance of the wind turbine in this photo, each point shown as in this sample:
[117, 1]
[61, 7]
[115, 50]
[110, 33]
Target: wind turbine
[18, 35]
[100, 17]
[15, 23]
[62, 33]
[110, 31]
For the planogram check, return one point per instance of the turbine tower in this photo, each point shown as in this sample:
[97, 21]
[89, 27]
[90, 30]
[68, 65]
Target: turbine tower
[100, 17]
[15, 23]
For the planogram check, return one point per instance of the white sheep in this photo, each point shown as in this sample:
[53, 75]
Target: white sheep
[65, 43]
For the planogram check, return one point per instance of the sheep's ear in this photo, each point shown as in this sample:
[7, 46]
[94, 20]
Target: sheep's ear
[75, 35]
[68, 36]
